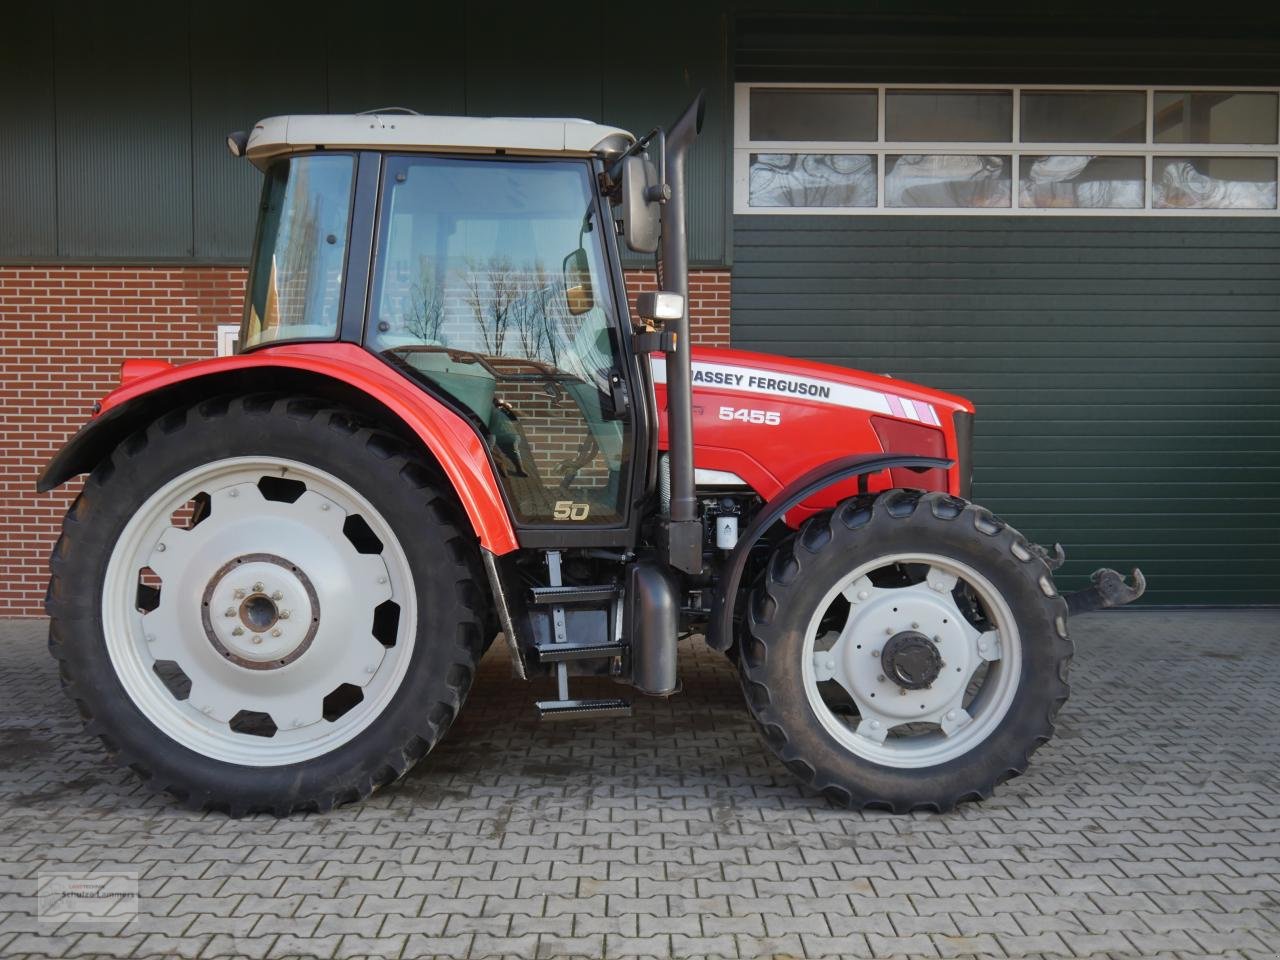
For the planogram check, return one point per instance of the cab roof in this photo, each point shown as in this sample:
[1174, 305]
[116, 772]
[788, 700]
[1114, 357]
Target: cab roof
[278, 136]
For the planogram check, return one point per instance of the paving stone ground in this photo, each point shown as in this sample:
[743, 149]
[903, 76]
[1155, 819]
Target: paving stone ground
[1150, 827]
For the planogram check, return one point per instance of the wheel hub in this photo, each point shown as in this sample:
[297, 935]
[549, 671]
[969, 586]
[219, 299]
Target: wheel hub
[911, 660]
[260, 611]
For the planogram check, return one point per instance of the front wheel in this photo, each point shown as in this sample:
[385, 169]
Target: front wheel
[261, 603]
[904, 652]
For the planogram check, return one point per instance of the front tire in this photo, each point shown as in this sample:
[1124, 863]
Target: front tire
[265, 604]
[905, 652]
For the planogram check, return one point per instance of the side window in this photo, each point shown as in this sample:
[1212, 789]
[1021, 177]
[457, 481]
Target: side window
[491, 284]
[296, 287]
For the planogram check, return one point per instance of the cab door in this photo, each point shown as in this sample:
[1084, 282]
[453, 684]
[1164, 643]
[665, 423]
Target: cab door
[492, 286]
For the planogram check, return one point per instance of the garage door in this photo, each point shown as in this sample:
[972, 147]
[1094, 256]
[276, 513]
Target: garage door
[1126, 371]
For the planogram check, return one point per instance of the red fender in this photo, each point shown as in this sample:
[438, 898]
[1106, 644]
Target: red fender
[452, 441]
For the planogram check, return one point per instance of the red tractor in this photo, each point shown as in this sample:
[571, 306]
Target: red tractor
[443, 424]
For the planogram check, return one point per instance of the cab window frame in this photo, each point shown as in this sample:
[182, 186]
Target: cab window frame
[355, 204]
[638, 477]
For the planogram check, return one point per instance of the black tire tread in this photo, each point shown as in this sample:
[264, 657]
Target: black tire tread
[828, 531]
[72, 610]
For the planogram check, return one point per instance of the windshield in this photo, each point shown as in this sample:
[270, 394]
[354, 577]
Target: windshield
[491, 284]
[295, 285]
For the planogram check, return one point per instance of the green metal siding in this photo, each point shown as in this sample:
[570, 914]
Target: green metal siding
[928, 41]
[124, 132]
[1126, 371]
[28, 193]
[116, 119]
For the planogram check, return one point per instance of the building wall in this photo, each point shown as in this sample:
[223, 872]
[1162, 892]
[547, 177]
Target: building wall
[1126, 369]
[115, 119]
[63, 334]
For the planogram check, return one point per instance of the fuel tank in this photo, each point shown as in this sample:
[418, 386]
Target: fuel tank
[761, 421]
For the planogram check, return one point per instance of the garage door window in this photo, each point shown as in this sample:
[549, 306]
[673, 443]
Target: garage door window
[1139, 151]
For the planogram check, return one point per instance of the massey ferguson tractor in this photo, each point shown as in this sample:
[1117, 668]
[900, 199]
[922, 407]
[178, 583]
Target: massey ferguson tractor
[445, 423]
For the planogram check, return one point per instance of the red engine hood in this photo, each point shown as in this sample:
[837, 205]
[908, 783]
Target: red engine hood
[769, 419]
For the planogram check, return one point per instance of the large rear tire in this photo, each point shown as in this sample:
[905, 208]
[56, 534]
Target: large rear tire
[906, 651]
[265, 604]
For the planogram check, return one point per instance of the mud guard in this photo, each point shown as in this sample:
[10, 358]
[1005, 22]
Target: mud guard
[341, 372]
[720, 626]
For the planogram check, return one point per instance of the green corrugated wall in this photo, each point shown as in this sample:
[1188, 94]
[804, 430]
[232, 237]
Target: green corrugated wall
[1126, 371]
[115, 117]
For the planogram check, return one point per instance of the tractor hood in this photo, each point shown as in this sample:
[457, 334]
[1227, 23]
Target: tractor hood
[763, 420]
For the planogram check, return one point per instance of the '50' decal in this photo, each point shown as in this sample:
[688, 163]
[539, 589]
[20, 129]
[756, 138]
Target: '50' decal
[769, 418]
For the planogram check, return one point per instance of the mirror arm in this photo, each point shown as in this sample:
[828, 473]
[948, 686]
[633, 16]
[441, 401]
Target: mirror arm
[661, 191]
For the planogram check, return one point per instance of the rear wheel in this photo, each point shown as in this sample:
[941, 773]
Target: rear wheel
[262, 604]
[906, 652]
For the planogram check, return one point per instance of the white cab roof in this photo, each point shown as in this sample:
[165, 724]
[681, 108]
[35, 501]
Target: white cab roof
[277, 136]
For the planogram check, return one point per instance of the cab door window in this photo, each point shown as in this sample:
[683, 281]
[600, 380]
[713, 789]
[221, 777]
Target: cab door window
[491, 284]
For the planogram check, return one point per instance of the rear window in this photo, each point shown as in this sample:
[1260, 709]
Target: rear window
[295, 281]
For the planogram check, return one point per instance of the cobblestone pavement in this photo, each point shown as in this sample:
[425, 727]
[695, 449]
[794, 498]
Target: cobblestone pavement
[1150, 827]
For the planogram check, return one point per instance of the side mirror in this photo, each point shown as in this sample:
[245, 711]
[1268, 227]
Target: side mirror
[641, 216]
[578, 294]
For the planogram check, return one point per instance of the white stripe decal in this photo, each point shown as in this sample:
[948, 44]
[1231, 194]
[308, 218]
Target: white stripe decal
[704, 477]
[755, 380]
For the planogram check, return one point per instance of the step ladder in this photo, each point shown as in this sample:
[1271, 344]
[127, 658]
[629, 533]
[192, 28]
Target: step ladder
[561, 652]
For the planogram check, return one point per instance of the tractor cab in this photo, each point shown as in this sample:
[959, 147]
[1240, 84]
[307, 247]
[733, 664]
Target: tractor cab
[494, 284]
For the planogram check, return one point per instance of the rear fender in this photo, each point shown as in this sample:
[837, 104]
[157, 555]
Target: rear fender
[720, 627]
[340, 372]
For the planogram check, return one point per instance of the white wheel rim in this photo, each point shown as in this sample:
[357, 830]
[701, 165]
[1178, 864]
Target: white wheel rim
[889, 714]
[282, 572]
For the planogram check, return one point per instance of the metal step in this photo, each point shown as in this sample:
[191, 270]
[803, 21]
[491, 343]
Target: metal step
[570, 595]
[564, 652]
[582, 709]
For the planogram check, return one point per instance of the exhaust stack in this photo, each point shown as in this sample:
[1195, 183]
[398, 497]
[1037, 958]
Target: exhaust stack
[684, 529]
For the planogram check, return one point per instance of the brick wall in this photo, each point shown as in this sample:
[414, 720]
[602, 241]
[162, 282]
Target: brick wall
[63, 333]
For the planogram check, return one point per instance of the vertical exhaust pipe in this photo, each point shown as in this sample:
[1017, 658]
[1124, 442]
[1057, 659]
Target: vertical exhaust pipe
[684, 530]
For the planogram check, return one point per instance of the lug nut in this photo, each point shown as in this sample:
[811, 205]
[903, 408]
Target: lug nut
[234, 493]
[915, 626]
[241, 594]
[277, 595]
[372, 668]
[951, 714]
[257, 639]
[324, 506]
[382, 579]
[161, 548]
[275, 632]
[257, 587]
[875, 653]
[284, 614]
[229, 612]
[862, 594]
[238, 632]
[880, 679]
